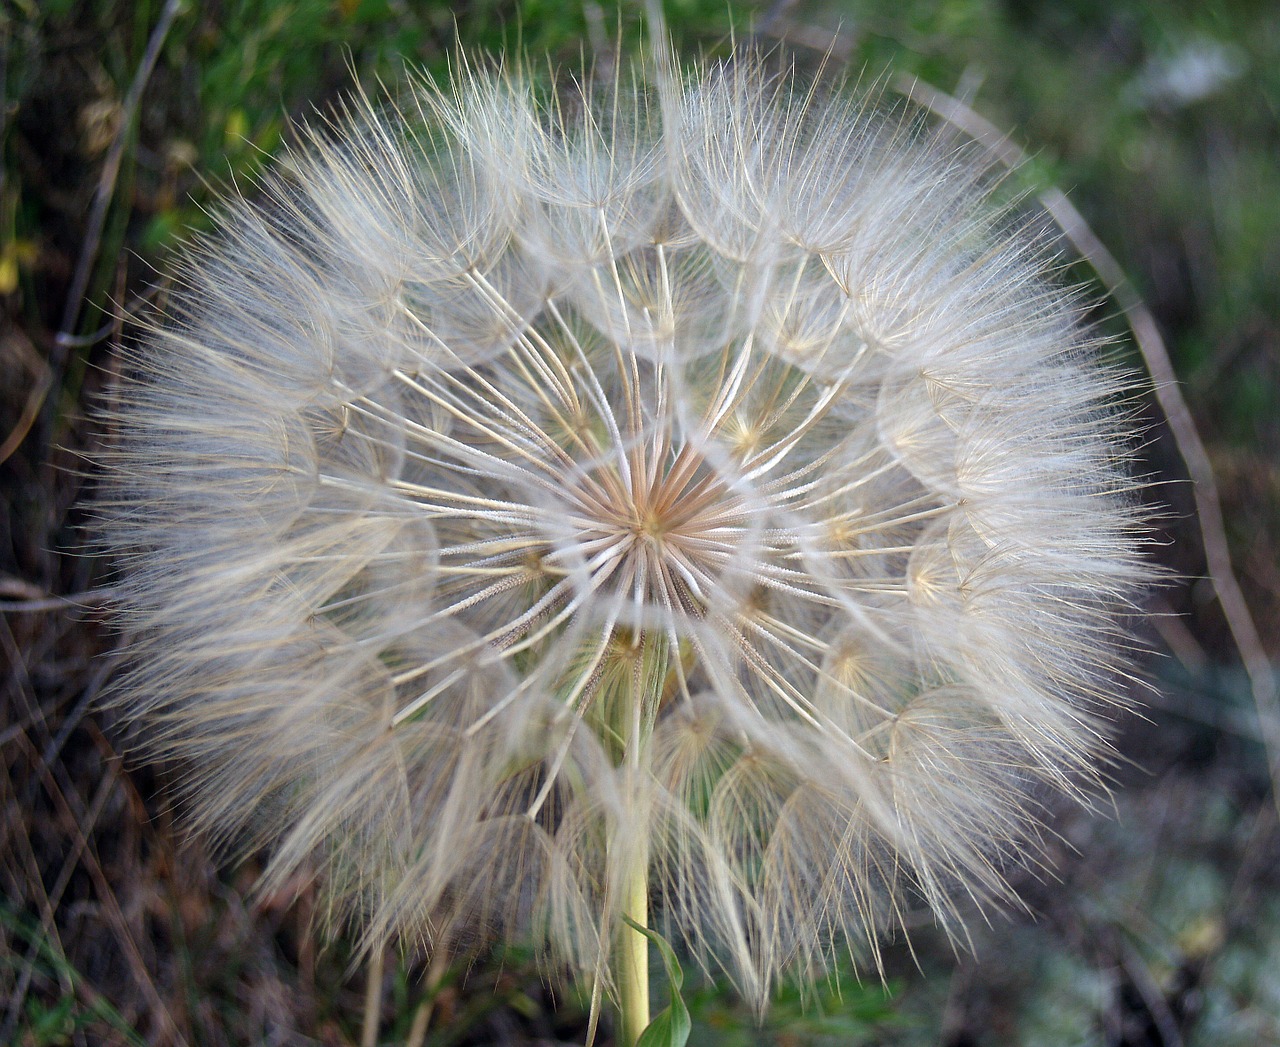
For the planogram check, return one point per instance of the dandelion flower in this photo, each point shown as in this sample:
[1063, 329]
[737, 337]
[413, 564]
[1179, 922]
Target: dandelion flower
[693, 491]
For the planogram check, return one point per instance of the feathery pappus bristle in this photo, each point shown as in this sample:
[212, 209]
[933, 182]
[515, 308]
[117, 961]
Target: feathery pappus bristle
[704, 471]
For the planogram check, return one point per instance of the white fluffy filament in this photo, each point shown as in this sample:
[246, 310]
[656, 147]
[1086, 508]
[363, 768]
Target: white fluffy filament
[738, 402]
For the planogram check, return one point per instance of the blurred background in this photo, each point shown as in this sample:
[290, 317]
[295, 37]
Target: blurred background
[1157, 920]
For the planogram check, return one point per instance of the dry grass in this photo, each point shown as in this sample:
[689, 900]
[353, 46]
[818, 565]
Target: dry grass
[116, 930]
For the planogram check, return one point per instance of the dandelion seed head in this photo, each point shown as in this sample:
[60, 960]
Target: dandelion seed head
[703, 471]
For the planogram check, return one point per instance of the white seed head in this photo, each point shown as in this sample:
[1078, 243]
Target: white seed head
[702, 471]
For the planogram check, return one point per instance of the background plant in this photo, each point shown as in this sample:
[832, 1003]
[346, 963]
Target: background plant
[1181, 188]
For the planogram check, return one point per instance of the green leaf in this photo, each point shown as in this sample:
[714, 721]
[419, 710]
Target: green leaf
[671, 1026]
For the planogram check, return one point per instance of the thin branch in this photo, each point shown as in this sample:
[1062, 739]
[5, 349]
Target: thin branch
[372, 1000]
[436, 971]
[42, 378]
[103, 196]
[1146, 333]
[30, 412]
[111, 170]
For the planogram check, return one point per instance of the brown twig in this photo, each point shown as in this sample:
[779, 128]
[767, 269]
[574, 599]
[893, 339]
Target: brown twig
[105, 193]
[30, 412]
[1153, 999]
[72, 812]
[436, 971]
[1168, 393]
[1146, 333]
[372, 999]
[111, 171]
[17, 344]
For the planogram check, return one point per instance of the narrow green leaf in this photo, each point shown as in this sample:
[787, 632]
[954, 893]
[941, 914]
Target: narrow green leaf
[671, 1026]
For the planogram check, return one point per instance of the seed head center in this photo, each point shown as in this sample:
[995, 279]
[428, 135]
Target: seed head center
[663, 532]
[652, 527]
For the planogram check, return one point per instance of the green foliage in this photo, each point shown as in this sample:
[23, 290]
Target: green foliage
[1160, 120]
[1186, 191]
[1106, 114]
[670, 1027]
[64, 1017]
[840, 1011]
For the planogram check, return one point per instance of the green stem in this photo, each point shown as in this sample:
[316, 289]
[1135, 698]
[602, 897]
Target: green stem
[647, 681]
[372, 1000]
[422, 1016]
[633, 959]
